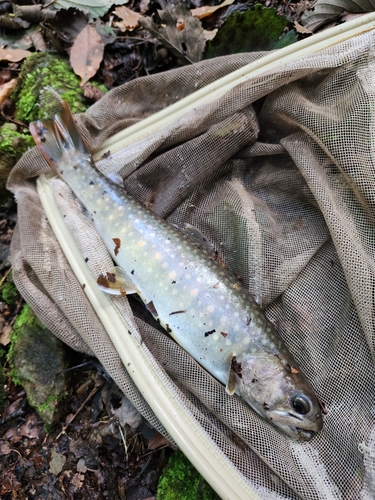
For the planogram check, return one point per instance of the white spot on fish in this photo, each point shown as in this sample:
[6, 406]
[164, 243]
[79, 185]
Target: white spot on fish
[141, 243]
[158, 256]
[99, 201]
[106, 208]
[164, 265]
[211, 308]
[228, 342]
[110, 217]
[194, 292]
[172, 275]
[215, 336]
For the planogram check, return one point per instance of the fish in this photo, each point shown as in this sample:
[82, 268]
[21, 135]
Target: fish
[193, 296]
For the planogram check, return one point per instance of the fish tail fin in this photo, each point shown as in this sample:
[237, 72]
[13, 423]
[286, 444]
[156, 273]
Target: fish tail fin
[58, 139]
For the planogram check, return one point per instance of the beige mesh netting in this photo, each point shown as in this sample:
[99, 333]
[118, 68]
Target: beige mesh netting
[286, 192]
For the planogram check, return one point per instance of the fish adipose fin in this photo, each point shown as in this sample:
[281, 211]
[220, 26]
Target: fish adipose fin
[116, 282]
[58, 139]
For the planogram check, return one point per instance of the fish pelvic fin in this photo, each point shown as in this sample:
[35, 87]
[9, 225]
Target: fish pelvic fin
[116, 282]
[59, 140]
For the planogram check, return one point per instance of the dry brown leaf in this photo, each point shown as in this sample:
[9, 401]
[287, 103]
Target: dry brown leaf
[210, 35]
[157, 441]
[77, 480]
[86, 53]
[143, 6]
[7, 330]
[301, 29]
[129, 18]
[13, 55]
[5, 449]
[6, 89]
[207, 10]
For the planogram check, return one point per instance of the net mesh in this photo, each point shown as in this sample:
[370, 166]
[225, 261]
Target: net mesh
[279, 174]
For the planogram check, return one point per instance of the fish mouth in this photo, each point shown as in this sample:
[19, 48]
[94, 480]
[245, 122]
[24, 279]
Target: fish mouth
[301, 430]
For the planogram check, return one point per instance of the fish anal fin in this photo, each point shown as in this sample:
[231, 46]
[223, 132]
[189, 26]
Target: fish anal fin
[116, 282]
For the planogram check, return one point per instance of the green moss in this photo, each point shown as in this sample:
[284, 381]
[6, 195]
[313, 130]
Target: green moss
[13, 143]
[37, 360]
[181, 481]
[9, 293]
[50, 404]
[256, 29]
[44, 69]
[27, 317]
[12, 146]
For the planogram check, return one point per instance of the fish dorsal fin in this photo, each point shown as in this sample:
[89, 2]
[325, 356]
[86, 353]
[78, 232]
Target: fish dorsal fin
[232, 379]
[116, 282]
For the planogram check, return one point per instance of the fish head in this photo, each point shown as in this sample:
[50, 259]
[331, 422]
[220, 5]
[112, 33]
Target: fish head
[277, 389]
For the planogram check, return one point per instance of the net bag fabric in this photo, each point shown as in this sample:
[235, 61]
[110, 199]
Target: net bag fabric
[279, 174]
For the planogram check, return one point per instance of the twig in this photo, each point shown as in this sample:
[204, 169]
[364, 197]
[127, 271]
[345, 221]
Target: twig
[123, 441]
[95, 389]
[5, 275]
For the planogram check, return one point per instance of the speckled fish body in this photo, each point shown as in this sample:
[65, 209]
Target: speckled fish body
[202, 305]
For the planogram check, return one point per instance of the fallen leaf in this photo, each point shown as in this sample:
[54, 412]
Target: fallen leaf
[178, 31]
[7, 330]
[157, 441]
[56, 463]
[13, 55]
[77, 480]
[210, 35]
[301, 29]
[324, 11]
[38, 41]
[86, 53]
[207, 10]
[143, 6]
[5, 449]
[129, 18]
[97, 8]
[127, 413]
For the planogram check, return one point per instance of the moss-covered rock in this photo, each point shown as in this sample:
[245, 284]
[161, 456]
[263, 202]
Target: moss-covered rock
[257, 29]
[36, 357]
[12, 146]
[40, 70]
[181, 481]
[3, 394]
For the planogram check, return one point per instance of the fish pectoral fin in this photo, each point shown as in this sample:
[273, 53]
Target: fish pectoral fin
[116, 282]
[230, 388]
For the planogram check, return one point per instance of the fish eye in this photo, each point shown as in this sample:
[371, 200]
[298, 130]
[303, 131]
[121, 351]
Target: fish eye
[301, 404]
